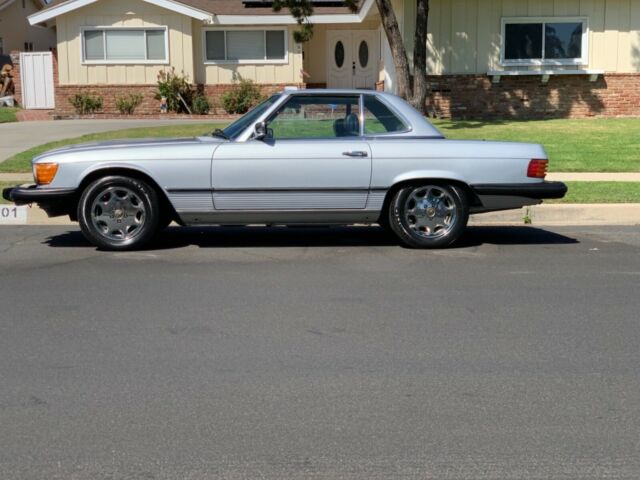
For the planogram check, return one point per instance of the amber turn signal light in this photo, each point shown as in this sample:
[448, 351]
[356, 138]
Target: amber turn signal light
[45, 172]
[537, 168]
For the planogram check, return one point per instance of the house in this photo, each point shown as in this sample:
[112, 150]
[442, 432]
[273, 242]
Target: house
[523, 58]
[16, 33]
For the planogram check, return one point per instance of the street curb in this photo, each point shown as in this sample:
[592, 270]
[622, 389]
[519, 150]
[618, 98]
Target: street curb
[551, 214]
[565, 214]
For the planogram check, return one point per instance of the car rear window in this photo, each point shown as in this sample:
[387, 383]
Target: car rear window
[378, 118]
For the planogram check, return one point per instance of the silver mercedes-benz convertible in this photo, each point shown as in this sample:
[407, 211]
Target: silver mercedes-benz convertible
[300, 157]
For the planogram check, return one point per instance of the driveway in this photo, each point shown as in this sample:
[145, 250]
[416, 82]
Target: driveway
[17, 137]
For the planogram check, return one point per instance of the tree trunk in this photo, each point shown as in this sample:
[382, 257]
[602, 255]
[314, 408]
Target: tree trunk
[398, 51]
[420, 86]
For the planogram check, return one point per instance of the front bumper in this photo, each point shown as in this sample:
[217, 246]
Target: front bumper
[54, 201]
[538, 191]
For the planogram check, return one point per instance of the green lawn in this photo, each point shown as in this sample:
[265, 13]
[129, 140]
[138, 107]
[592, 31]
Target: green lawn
[588, 145]
[8, 114]
[601, 192]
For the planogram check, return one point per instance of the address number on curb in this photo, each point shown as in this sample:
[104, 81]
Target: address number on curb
[13, 215]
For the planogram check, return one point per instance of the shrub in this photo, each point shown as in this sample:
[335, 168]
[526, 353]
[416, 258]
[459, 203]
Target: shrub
[172, 86]
[127, 105]
[86, 103]
[201, 105]
[243, 96]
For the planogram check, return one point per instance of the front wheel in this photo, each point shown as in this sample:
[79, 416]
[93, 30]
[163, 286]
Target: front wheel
[119, 213]
[429, 215]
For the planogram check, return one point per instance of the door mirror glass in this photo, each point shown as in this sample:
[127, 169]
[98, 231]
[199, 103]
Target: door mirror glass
[260, 131]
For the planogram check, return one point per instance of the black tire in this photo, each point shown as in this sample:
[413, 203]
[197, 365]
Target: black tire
[119, 213]
[446, 207]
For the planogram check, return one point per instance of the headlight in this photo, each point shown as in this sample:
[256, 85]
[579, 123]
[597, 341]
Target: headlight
[45, 172]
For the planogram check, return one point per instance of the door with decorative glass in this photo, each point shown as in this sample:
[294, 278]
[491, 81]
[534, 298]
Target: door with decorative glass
[352, 58]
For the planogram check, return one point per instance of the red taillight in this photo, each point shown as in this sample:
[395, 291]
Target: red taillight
[537, 168]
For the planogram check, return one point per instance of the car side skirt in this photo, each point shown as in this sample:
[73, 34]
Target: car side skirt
[287, 217]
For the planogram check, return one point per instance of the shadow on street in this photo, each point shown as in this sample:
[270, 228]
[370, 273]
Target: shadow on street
[281, 237]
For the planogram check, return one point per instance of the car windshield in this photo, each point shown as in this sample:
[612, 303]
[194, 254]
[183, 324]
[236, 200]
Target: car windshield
[240, 125]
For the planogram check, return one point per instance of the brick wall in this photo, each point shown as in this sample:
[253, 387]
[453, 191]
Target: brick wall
[451, 96]
[564, 96]
[149, 106]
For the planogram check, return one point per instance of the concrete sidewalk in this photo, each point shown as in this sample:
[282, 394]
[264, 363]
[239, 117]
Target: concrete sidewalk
[20, 136]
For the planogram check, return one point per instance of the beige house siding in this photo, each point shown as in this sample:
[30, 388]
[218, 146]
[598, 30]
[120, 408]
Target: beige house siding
[464, 35]
[287, 73]
[15, 29]
[121, 13]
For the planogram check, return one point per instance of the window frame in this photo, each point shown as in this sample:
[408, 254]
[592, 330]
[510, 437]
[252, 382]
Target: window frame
[583, 60]
[264, 61]
[105, 61]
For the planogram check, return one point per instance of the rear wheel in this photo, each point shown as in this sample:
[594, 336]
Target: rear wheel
[119, 213]
[429, 215]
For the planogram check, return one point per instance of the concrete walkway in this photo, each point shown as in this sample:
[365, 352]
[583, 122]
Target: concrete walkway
[20, 136]
[594, 177]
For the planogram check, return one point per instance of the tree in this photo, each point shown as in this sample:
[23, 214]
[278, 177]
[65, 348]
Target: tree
[412, 88]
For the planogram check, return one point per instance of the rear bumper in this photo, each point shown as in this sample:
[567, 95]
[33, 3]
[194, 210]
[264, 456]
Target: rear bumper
[537, 191]
[54, 201]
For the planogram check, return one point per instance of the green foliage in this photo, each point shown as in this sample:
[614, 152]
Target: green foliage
[244, 95]
[128, 104]
[172, 86]
[301, 10]
[85, 103]
[201, 105]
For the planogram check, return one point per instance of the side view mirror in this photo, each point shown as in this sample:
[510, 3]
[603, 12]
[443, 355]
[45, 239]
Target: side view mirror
[260, 130]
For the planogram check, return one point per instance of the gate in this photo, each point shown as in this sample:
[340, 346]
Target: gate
[36, 75]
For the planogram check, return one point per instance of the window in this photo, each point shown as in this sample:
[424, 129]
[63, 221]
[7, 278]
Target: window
[311, 116]
[125, 45]
[245, 46]
[28, 46]
[544, 41]
[378, 118]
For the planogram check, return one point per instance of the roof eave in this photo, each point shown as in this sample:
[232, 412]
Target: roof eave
[72, 5]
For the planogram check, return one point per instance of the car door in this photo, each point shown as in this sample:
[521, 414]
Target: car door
[314, 158]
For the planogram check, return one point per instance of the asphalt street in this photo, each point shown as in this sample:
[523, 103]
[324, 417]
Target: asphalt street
[300, 353]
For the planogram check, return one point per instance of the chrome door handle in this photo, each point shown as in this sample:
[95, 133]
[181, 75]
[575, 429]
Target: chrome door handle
[359, 153]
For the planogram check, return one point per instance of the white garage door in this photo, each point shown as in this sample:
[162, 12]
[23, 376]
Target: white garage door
[36, 74]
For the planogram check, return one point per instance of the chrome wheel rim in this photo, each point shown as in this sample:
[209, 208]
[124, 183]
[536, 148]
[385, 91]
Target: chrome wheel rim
[118, 214]
[430, 211]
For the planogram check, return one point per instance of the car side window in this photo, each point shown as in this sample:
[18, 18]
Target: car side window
[378, 118]
[308, 116]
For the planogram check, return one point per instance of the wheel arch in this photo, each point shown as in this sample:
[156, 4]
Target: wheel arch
[471, 196]
[93, 175]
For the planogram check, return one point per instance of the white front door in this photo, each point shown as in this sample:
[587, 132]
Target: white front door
[352, 58]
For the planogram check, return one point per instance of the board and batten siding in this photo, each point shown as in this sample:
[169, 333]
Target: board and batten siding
[269, 73]
[464, 35]
[121, 13]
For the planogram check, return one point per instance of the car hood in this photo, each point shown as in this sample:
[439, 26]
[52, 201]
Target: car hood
[146, 143]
